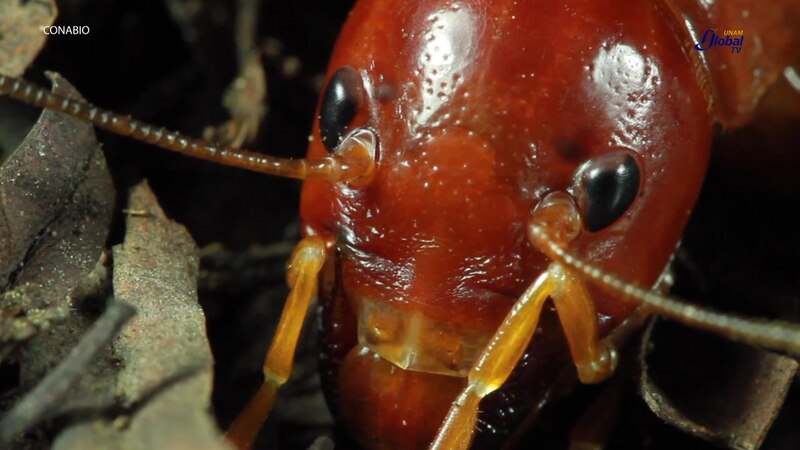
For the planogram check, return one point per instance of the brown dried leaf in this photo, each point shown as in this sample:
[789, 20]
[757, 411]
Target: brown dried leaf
[56, 199]
[21, 35]
[164, 375]
[724, 392]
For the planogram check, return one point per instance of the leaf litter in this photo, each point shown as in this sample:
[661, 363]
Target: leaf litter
[151, 387]
[21, 34]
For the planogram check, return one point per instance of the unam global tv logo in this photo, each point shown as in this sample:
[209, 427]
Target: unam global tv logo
[730, 38]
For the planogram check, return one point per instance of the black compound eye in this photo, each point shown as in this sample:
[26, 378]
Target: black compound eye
[340, 103]
[605, 188]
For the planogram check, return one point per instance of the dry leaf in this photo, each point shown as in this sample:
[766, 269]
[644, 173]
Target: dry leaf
[724, 392]
[164, 364]
[56, 199]
[21, 34]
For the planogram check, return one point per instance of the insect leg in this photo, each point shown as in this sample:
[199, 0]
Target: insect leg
[494, 365]
[302, 274]
[594, 358]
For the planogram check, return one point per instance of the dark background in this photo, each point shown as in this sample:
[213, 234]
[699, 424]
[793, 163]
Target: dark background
[741, 250]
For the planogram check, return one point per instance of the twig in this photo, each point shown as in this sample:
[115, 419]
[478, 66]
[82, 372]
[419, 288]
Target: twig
[34, 407]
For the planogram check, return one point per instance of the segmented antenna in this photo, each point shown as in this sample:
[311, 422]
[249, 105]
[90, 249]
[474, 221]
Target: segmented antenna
[327, 168]
[776, 335]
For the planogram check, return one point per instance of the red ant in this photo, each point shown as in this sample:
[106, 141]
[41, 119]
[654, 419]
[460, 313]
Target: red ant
[474, 159]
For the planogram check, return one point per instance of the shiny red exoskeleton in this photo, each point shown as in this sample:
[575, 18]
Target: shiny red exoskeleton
[482, 108]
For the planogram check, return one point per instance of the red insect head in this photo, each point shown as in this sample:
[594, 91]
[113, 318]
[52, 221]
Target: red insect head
[479, 112]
